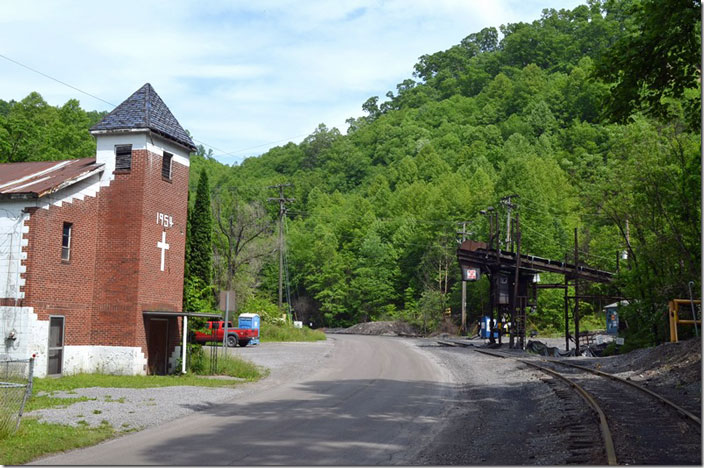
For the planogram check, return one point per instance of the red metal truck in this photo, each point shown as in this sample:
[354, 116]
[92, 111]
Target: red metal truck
[216, 331]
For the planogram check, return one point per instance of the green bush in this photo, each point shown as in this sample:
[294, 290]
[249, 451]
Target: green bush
[273, 332]
[592, 322]
[267, 311]
[234, 367]
[196, 359]
[200, 364]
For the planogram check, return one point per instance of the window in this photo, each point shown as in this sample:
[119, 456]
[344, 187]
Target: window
[123, 157]
[66, 242]
[166, 166]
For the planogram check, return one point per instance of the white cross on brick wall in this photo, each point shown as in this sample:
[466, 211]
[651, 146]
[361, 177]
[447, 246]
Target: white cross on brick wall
[164, 247]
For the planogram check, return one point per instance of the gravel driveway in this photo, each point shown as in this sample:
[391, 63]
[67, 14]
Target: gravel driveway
[492, 410]
[500, 413]
[138, 408]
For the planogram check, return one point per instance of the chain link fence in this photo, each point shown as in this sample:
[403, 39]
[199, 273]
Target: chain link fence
[15, 387]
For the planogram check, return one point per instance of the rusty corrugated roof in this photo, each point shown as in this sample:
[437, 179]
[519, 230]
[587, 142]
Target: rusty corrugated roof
[36, 179]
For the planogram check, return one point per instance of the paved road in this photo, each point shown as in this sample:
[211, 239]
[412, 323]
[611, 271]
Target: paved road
[374, 400]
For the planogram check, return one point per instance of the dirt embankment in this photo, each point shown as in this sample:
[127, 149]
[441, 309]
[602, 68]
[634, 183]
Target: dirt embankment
[671, 369]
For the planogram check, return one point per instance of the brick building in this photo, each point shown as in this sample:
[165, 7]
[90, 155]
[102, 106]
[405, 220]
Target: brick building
[92, 250]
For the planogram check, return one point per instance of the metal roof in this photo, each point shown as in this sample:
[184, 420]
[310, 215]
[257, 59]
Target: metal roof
[145, 110]
[40, 178]
[172, 313]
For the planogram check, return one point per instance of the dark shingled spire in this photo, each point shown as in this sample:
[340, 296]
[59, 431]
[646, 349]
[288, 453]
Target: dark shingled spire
[145, 109]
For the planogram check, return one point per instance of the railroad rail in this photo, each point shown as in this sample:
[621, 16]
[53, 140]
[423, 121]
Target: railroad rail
[632, 430]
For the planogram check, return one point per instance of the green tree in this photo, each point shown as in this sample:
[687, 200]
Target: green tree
[372, 289]
[199, 245]
[649, 190]
[32, 130]
[658, 56]
[242, 242]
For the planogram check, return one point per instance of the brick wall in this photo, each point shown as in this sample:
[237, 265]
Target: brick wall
[117, 262]
[114, 273]
[162, 290]
[54, 286]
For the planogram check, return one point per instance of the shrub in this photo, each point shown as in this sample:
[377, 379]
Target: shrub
[268, 311]
[273, 332]
[197, 360]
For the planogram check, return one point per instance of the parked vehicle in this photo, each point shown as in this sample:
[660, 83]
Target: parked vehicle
[215, 331]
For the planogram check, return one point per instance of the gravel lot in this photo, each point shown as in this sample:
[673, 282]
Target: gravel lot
[133, 408]
[503, 415]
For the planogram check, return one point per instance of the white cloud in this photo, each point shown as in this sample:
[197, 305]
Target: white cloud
[237, 74]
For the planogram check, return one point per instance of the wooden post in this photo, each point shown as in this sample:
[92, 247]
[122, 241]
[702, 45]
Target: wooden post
[576, 292]
[463, 326]
[672, 309]
[516, 279]
[567, 314]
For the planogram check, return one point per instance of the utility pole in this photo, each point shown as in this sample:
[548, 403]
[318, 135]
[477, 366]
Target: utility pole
[515, 316]
[493, 218]
[506, 201]
[282, 213]
[493, 226]
[463, 328]
[576, 293]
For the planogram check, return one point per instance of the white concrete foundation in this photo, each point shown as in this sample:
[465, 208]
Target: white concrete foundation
[31, 337]
[116, 360]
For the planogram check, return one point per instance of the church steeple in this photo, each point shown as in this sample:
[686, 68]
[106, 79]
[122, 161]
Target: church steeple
[144, 109]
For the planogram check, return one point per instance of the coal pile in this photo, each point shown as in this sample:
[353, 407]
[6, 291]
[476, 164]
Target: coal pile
[396, 328]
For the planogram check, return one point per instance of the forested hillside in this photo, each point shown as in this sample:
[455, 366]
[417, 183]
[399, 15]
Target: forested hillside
[591, 116]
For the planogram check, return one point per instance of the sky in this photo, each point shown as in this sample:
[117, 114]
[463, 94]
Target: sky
[240, 76]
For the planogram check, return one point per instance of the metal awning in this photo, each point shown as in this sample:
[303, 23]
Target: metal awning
[185, 315]
[173, 313]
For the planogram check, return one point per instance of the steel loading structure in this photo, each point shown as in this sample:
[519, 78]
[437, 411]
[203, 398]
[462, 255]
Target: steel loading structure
[512, 280]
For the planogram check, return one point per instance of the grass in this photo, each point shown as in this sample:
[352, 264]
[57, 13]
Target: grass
[37, 402]
[235, 367]
[35, 439]
[277, 333]
[590, 322]
[227, 366]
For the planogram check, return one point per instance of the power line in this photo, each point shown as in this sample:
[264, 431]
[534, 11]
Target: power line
[56, 79]
[535, 231]
[308, 214]
[222, 152]
[231, 153]
[548, 210]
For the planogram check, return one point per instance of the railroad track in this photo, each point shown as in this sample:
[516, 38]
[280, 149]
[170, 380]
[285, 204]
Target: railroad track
[636, 425]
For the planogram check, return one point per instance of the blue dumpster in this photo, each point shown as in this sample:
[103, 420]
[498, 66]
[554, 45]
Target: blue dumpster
[250, 322]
